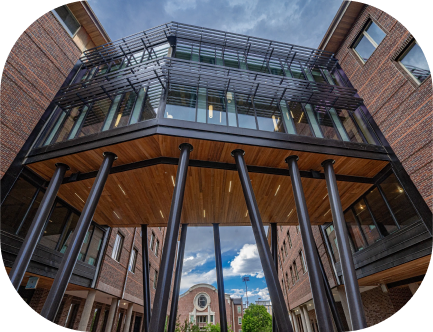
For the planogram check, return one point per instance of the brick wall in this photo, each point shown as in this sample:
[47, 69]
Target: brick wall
[401, 108]
[37, 66]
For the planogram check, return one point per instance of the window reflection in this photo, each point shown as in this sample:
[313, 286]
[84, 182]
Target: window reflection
[216, 108]
[354, 230]
[300, 119]
[366, 221]
[268, 115]
[415, 62]
[245, 110]
[54, 227]
[181, 103]
[381, 213]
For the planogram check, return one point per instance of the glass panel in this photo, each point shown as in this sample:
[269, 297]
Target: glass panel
[68, 231]
[231, 60]
[275, 68]
[375, 33]
[312, 117]
[245, 112]
[310, 76]
[326, 124]
[67, 125]
[330, 232]
[68, 19]
[350, 129]
[116, 64]
[195, 53]
[297, 71]
[339, 124]
[366, 222]
[122, 117]
[112, 112]
[137, 58]
[364, 48]
[242, 62]
[381, 212]
[102, 69]
[288, 120]
[219, 58]
[300, 119]
[85, 245]
[16, 204]
[51, 132]
[54, 228]
[95, 118]
[287, 70]
[399, 202]
[78, 123]
[217, 108]
[181, 103]
[354, 230]
[207, 56]
[258, 65]
[416, 63]
[317, 75]
[231, 109]
[364, 126]
[159, 51]
[268, 115]
[151, 103]
[22, 232]
[138, 105]
[201, 107]
[95, 246]
[183, 52]
[331, 80]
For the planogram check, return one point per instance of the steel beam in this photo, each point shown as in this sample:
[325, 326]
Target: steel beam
[146, 282]
[354, 300]
[220, 278]
[270, 272]
[160, 303]
[69, 260]
[177, 278]
[28, 247]
[316, 280]
[274, 250]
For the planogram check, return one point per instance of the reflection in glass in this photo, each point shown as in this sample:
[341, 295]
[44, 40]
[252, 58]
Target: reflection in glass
[207, 56]
[350, 129]
[216, 108]
[364, 126]
[138, 105]
[231, 109]
[300, 119]
[399, 202]
[330, 232]
[366, 221]
[415, 62]
[124, 111]
[338, 124]
[183, 52]
[372, 36]
[288, 120]
[70, 119]
[381, 213]
[95, 246]
[56, 122]
[231, 60]
[268, 115]
[275, 68]
[68, 231]
[24, 227]
[54, 227]
[245, 110]
[354, 230]
[201, 105]
[181, 103]
[325, 123]
[95, 118]
[317, 75]
[313, 120]
[297, 72]
[112, 111]
[151, 103]
[257, 64]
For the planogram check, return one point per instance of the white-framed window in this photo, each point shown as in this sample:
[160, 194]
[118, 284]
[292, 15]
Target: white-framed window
[67, 19]
[240, 320]
[117, 248]
[368, 40]
[133, 260]
[414, 62]
[239, 309]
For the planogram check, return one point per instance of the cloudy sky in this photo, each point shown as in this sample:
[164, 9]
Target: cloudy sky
[301, 22]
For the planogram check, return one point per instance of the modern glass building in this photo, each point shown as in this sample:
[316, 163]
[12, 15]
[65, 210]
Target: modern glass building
[264, 129]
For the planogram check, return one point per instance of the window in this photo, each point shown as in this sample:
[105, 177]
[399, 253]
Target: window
[157, 247]
[240, 320]
[67, 19]
[285, 248]
[282, 254]
[355, 232]
[202, 301]
[202, 319]
[117, 248]
[119, 322]
[155, 279]
[211, 318]
[289, 238]
[292, 275]
[381, 213]
[297, 229]
[239, 309]
[295, 270]
[414, 61]
[72, 315]
[133, 260]
[287, 281]
[152, 241]
[302, 258]
[95, 320]
[368, 41]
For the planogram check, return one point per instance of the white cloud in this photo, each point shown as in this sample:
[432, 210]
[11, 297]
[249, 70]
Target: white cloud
[247, 262]
[192, 279]
[262, 293]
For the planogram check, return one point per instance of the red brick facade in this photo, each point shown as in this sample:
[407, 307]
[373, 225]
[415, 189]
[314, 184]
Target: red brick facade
[401, 107]
[37, 66]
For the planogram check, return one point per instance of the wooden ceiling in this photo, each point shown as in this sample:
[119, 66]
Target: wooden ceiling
[143, 196]
[408, 270]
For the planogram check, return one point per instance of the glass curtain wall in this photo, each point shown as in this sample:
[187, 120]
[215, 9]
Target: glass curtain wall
[382, 211]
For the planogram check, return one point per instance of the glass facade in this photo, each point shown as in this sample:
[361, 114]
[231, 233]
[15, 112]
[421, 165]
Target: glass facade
[383, 210]
[19, 209]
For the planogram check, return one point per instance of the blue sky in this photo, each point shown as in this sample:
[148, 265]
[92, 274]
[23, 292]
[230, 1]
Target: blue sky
[302, 22]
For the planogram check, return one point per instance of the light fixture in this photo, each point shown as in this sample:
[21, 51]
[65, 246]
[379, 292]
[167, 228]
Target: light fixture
[80, 198]
[204, 213]
[246, 213]
[116, 215]
[274, 120]
[292, 114]
[123, 191]
[230, 186]
[327, 212]
[210, 111]
[302, 115]
[277, 189]
[229, 97]
[119, 116]
[161, 213]
[325, 196]
[290, 213]
[362, 207]
[172, 180]
[400, 190]
[51, 221]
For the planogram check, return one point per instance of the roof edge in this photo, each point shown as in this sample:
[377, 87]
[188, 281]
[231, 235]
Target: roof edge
[96, 21]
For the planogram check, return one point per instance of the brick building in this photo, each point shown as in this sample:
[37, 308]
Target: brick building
[199, 305]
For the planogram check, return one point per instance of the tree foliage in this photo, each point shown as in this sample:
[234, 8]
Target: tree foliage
[256, 319]
[191, 327]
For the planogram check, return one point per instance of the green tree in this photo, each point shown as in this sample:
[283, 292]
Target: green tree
[256, 319]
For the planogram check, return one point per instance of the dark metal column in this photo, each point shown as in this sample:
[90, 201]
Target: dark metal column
[32, 238]
[220, 278]
[354, 300]
[70, 257]
[146, 282]
[330, 297]
[316, 281]
[177, 278]
[274, 250]
[160, 303]
[270, 272]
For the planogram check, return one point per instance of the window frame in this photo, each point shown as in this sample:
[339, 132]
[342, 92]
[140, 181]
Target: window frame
[117, 247]
[402, 55]
[133, 260]
[363, 33]
[63, 24]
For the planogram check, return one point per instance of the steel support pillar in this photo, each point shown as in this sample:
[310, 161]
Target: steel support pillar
[177, 278]
[160, 302]
[330, 297]
[220, 278]
[146, 282]
[28, 247]
[69, 260]
[316, 280]
[354, 300]
[269, 270]
[274, 250]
